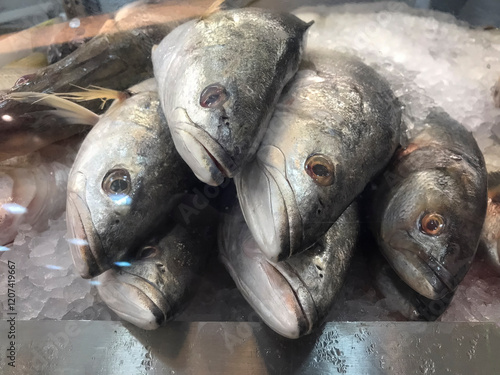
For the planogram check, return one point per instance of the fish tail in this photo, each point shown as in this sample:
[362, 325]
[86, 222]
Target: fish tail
[95, 92]
[74, 113]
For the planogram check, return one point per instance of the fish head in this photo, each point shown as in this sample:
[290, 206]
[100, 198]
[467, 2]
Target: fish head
[290, 193]
[136, 293]
[150, 289]
[293, 296]
[430, 230]
[227, 72]
[125, 179]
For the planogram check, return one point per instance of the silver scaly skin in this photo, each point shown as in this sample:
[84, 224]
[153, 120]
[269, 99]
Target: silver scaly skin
[157, 284]
[336, 125]
[126, 177]
[219, 79]
[430, 206]
[293, 296]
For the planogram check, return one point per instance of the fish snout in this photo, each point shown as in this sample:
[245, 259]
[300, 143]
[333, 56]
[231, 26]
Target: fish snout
[267, 290]
[419, 269]
[133, 299]
[208, 160]
[269, 206]
[84, 243]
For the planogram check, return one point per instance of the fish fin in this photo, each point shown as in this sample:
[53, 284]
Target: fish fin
[218, 5]
[215, 7]
[94, 92]
[74, 113]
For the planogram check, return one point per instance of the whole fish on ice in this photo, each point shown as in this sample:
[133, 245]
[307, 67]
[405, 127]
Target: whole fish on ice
[219, 79]
[295, 295]
[430, 206]
[126, 177]
[336, 125]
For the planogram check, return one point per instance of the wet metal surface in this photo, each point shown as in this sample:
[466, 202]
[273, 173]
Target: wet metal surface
[95, 347]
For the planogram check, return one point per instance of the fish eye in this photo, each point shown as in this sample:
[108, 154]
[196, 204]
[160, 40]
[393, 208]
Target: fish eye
[432, 224]
[117, 182]
[320, 169]
[24, 80]
[147, 252]
[213, 96]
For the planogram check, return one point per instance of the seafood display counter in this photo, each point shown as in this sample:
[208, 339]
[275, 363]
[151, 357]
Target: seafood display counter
[217, 187]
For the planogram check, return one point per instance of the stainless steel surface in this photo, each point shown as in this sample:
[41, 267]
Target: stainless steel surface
[94, 347]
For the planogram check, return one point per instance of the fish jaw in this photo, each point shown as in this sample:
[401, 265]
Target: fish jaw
[269, 206]
[84, 244]
[265, 289]
[133, 299]
[204, 155]
[421, 271]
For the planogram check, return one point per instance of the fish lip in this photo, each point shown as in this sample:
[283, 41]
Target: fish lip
[85, 256]
[293, 221]
[214, 152]
[276, 324]
[445, 281]
[114, 287]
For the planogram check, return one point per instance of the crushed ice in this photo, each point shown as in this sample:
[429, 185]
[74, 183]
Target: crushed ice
[441, 59]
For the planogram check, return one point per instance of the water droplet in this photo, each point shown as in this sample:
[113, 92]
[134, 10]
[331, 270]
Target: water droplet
[123, 264]
[14, 208]
[74, 23]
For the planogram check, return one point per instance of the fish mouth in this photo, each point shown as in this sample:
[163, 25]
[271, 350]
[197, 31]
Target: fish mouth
[269, 206]
[133, 299]
[268, 291]
[208, 160]
[420, 270]
[84, 243]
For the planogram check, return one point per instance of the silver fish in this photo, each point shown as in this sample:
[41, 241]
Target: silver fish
[154, 288]
[335, 127]
[295, 295]
[430, 206]
[126, 177]
[219, 79]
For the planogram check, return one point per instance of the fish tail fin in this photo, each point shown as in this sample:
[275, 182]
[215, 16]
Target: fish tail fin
[215, 7]
[95, 92]
[218, 5]
[74, 113]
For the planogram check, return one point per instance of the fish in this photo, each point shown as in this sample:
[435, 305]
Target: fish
[219, 78]
[31, 188]
[430, 204]
[126, 177]
[161, 277]
[30, 121]
[119, 54]
[292, 296]
[335, 127]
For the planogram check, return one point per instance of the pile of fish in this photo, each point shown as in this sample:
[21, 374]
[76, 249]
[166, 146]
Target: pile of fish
[325, 158]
